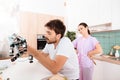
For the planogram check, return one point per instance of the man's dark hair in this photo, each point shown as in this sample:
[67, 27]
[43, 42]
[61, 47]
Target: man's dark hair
[56, 25]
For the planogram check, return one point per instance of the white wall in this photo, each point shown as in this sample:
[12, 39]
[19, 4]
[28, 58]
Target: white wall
[116, 14]
[8, 21]
[53, 7]
[93, 12]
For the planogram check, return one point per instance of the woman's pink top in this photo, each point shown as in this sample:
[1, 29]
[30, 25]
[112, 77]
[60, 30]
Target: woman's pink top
[83, 46]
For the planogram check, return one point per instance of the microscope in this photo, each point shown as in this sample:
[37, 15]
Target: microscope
[19, 43]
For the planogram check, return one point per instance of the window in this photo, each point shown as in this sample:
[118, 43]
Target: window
[8, 18]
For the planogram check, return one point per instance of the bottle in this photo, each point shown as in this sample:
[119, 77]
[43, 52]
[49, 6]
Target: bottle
[111, 54]
[117, 53]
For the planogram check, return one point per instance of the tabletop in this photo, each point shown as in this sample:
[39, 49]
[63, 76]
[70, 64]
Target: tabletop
[23, 70]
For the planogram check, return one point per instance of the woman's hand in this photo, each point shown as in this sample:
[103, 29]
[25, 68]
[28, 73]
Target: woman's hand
[90, 55]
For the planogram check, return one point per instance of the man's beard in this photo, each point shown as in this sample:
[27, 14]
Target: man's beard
[50, 42]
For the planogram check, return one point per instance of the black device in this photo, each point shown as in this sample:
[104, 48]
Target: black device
[20, 44]
[41, 41]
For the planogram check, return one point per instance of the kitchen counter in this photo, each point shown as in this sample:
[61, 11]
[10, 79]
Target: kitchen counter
[107, 58]
[5, 58]
[21, 69]
[107, 68]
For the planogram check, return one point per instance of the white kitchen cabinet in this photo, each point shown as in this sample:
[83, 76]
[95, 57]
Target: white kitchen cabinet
[106, 71]
[111, 71]
[98, 70]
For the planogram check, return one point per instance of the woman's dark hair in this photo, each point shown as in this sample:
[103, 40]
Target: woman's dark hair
[56, 25]
[85, 25]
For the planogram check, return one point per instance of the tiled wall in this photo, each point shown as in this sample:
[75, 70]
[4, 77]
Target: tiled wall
[108, 39]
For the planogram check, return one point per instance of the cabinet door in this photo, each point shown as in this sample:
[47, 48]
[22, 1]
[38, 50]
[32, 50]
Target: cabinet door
[111, 71]
[42, 19]
[28, 29]
[98, 70]
[106, 71]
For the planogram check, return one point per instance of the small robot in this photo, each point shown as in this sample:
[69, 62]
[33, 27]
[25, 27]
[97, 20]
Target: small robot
[20, 44]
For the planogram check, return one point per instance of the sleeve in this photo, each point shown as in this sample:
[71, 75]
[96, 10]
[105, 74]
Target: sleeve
[65, 48]
[95, 41]
[45, 50]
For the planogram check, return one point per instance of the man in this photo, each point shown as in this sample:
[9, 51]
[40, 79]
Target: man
[59, 55]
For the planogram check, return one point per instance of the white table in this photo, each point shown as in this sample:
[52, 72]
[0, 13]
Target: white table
[23, 70]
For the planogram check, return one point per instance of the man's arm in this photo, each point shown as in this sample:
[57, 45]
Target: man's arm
[53, 65]
[44, 54]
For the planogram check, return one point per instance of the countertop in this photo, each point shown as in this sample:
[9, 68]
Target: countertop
[21, 69]
[107, 58]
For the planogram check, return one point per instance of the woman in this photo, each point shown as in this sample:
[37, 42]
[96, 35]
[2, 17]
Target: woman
[86, 47]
